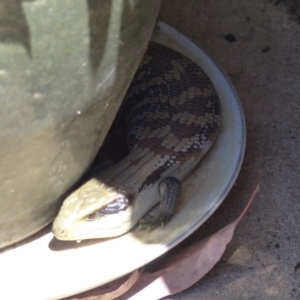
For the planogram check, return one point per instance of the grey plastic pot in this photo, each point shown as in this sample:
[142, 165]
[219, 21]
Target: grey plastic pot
[64, 69]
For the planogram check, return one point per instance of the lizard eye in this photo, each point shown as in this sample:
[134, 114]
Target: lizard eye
[91, 217]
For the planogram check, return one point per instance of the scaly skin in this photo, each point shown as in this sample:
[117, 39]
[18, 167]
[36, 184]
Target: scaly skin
[172, 114]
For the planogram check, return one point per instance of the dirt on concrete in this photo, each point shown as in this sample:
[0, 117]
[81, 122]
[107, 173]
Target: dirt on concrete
[257, 43]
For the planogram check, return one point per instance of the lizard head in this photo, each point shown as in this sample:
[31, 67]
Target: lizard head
[93, 211]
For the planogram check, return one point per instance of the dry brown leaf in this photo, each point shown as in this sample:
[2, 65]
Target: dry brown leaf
[184, 269]
[192, 264]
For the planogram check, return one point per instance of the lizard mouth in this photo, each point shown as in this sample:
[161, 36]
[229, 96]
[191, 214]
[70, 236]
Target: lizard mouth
[109, 225]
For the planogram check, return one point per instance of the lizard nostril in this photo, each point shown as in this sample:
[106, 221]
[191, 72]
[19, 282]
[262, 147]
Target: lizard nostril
[59, 232]
[63, 232]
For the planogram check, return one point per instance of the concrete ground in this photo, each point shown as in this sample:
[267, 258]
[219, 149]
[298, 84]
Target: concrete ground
[257, 43]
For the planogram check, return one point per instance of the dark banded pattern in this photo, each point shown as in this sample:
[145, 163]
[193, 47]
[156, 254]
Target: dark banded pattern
[172, 116]
[171, 110]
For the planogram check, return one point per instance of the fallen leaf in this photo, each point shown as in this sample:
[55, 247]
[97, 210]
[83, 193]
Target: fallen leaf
[181, 270]
[189, 266]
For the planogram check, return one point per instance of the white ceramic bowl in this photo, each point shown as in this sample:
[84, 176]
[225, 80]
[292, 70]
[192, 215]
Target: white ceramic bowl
[45, 269]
